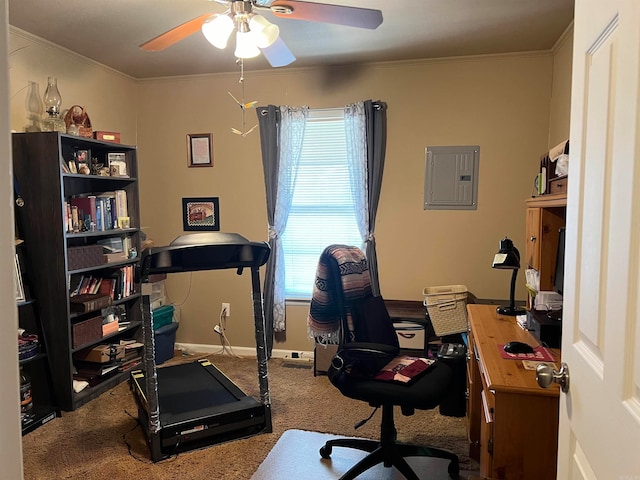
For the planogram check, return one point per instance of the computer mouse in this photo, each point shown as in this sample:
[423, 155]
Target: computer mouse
[518, 347]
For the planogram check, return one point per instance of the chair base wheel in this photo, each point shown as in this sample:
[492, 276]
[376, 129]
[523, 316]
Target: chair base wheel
[325, 451]
[454, 470]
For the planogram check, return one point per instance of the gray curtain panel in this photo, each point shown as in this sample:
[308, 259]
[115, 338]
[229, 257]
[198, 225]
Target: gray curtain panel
[268, 120]
[376, 115]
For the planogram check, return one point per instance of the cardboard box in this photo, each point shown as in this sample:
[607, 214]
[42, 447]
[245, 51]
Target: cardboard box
[101, 353]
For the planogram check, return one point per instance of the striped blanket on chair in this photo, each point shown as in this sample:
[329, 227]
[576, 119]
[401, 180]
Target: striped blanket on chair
[342, 277]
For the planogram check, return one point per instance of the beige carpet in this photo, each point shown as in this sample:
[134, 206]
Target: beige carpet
[102, 440]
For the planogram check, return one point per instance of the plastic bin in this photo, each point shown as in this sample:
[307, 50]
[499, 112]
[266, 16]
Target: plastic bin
[447, 308]
[165, 340]
[454, 404]
[162, 316]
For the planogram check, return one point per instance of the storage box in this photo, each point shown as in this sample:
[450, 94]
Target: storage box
[86, 331]
[109, 328]
[162, 316]
[84, 257]
[107, 136]
[411, 335]
[322, 358]
[165, 339]
[156, 293]
[101, 353]
[447, 308]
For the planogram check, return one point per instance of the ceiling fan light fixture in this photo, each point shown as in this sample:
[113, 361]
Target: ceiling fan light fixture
[264, 32]
[217, 30]
[245, 45]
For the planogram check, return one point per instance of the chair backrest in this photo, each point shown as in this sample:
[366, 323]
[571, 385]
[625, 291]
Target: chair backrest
[343, 308]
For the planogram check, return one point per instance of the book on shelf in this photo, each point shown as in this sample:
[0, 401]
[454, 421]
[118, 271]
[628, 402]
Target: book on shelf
[86, 209]
[88, 302]
[121, 204]
[128, 364]
[93, 374]
[107, 287]
[107, 201]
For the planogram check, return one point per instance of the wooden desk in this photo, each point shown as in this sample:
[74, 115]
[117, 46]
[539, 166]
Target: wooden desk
[513, 423]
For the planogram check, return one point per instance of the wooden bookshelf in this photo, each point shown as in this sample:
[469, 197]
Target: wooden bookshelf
[41, 166]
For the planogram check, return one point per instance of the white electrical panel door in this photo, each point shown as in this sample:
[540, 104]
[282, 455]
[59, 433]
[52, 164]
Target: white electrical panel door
[451, 178]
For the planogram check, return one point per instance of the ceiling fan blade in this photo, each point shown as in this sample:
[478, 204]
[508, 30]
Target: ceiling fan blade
[176, 34]
[278, 54]
[322, 12]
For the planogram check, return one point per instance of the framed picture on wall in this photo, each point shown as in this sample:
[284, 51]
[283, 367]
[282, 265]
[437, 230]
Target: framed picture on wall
[201, 214]
[200, 150]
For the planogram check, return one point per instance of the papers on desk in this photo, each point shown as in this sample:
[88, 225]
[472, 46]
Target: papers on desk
[532, 364]
[522, 322]
[540, 354]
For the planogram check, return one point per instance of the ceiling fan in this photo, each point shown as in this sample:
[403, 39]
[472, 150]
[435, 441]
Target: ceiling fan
[255, 34]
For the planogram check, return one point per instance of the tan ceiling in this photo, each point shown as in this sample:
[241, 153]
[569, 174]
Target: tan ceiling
[110, 32]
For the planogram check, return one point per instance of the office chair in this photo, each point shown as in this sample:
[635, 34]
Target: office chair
[344, 311]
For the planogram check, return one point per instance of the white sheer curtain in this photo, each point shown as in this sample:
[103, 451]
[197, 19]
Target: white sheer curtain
[292, 124]
[355, 125]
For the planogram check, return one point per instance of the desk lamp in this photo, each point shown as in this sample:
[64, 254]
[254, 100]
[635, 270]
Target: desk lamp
[508, 258]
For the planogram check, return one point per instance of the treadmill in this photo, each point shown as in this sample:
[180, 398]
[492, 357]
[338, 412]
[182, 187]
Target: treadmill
[194, 405]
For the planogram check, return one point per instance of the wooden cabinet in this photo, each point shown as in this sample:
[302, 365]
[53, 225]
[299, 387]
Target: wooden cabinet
[544, 217]
[513, 422]
[41, 168]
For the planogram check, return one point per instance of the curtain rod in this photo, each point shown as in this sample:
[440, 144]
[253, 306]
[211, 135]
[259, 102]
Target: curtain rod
[376, 105]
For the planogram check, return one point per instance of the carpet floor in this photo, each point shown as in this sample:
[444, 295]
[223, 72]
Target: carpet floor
[102, 439]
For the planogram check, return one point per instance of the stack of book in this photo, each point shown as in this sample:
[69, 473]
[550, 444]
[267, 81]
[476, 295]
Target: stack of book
[94, 365]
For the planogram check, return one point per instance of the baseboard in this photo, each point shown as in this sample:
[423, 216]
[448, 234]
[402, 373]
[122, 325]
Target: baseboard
[297, 355]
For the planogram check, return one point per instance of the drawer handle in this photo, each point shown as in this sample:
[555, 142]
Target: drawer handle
[407, 335]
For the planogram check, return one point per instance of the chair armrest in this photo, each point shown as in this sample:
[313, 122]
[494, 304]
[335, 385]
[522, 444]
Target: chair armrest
[369, 348]
[363, 359]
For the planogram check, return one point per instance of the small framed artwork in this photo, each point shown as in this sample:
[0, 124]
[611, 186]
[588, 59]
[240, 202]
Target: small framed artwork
[199, 150]
[83, 156]
[19, 287]
[117, 164]
[201, 214]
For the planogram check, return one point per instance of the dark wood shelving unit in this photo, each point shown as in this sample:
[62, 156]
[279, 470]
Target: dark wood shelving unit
[39, 161]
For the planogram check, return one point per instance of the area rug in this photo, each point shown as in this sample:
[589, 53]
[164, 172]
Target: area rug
[296, 456]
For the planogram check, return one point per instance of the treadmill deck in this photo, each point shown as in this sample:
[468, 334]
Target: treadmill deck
[199, 406]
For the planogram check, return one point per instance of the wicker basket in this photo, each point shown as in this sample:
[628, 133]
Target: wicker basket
[447, 307]
[87, 331]
[84, 257]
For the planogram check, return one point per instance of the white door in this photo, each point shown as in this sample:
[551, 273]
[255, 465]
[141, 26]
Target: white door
[599, 433]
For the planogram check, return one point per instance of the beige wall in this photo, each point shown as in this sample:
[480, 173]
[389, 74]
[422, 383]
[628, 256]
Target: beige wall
[561, 89]
[108, 96]
[502, 103]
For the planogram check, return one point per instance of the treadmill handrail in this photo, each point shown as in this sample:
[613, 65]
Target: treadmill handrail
[191, 258]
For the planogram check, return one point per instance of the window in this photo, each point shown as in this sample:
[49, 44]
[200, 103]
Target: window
[322, 211]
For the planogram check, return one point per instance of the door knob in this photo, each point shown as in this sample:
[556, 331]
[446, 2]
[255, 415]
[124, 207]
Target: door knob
[545, 376]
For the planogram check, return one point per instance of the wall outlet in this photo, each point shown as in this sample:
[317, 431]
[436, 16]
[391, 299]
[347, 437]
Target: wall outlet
[226, 310]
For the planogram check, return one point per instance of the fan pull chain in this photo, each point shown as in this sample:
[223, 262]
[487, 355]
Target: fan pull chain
[243, 105]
